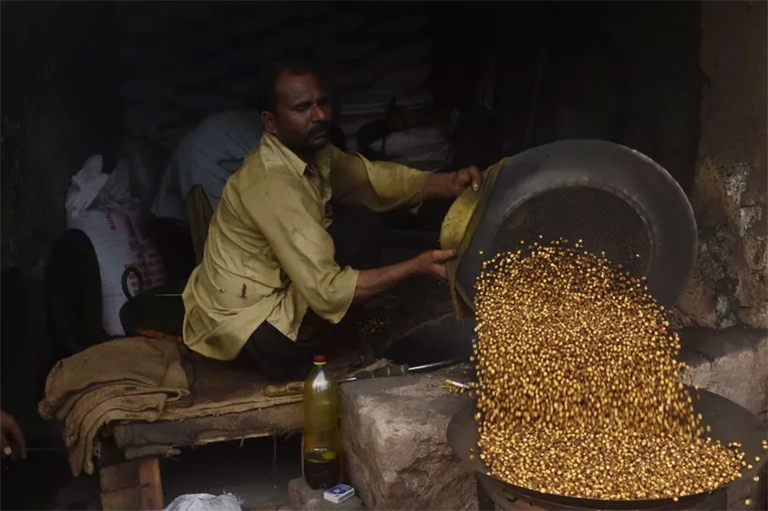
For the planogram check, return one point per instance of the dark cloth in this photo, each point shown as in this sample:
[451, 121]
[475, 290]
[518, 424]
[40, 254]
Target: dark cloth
[357, 234]
[199, 214]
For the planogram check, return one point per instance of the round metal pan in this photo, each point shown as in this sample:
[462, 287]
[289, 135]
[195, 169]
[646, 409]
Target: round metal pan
[637, 180]
[729, 421]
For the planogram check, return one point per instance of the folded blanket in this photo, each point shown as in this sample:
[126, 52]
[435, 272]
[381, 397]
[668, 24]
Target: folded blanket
[126, 379]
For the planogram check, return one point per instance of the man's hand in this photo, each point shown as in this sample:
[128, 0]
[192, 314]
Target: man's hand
[441, 185]
[11, 430]
[430, 263]
[373, 282]
[463, 178]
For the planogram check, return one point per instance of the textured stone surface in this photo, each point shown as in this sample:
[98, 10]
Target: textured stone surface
[395, 443]
[732, 363]
[728, 286]
[304, 498]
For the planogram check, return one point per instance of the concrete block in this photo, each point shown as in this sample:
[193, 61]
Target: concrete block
[396, 449]
[304, 498]
[732, 363]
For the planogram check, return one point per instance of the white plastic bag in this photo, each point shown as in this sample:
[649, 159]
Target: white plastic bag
[205, 502]
[86, 185]
[101, 206]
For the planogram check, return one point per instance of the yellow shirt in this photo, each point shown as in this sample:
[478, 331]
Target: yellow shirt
[269, 257]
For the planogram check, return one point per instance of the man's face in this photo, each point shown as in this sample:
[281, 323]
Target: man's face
[302, 117]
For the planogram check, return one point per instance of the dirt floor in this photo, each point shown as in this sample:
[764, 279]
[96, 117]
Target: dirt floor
[256, 470]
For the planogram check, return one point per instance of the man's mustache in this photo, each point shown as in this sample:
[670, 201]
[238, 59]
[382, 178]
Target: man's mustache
[323, 127]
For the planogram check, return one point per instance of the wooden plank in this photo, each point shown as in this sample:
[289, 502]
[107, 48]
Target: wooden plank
[204, 430]
[119, 477]
[151, 487]
[161, 451]
[120, 500]
[110, 453]
[214, 438]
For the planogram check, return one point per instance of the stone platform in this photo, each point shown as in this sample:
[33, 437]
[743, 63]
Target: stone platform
[397, 455]
[734, 364]
[397, 452]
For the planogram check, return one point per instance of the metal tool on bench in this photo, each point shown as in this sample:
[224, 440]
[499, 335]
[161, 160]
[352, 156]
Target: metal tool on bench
[295, 387]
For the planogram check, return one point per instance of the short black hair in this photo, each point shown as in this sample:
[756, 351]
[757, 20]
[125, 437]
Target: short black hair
[267, 95]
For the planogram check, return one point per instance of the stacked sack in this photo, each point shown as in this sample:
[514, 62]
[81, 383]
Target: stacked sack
[100, 205]
[376, 58]
[180, 64]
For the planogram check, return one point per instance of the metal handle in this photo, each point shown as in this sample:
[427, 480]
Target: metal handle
[287, 389]
[124, 281]
[295, 387]
[383, 372]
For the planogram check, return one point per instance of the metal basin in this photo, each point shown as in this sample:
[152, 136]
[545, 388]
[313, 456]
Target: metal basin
[730, 423]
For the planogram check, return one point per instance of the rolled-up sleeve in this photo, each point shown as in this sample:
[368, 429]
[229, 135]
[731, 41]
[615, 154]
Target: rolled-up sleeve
[380, 186]
[303, 248]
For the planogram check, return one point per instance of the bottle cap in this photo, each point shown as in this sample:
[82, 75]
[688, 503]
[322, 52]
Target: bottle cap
[319, 360]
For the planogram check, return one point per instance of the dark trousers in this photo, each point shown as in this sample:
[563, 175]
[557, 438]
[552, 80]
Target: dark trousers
[357, 235]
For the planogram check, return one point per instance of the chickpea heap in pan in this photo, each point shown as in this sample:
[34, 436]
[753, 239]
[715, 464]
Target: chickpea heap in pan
[578, 386]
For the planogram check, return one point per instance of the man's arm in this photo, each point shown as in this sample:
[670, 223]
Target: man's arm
[383, 186]
[373, 282]
[305, 251]
[10, 430]
[291, 223]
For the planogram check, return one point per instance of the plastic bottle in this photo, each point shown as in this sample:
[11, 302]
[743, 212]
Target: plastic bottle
[321, 451]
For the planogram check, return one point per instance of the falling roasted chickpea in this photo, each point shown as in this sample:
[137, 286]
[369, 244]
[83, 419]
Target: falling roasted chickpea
[577, 371]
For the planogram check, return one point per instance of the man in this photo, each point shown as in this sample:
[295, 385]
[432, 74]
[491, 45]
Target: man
[207, 156]
[202, 163]
[200, 166]
[270, 284]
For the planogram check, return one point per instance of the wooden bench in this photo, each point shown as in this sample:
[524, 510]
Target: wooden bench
[221, 407]
[129, 473]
